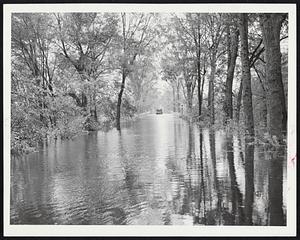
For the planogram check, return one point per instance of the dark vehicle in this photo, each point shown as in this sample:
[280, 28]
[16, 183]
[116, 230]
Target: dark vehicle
[159, 111]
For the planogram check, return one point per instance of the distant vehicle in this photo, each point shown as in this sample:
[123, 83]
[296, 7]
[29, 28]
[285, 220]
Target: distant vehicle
[159, 111]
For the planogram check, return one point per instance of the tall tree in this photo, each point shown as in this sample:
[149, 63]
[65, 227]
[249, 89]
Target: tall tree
[134, 40]
[215, 33]
[84, 39]
[232, 51]
[142, 81]
[185, 53]
[271, 25]
[31, 46]
[248, 118]
[170, 74]
[197, 31]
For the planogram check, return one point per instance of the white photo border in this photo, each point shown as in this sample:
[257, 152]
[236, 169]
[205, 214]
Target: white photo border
[104, 230]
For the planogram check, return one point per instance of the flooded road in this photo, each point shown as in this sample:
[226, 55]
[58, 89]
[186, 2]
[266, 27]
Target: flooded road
[158, 170]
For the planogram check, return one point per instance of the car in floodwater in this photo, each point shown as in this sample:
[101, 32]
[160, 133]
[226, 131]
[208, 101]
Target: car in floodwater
[159, 111]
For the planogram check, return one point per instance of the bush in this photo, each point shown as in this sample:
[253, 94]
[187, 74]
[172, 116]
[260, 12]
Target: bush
[27, 129]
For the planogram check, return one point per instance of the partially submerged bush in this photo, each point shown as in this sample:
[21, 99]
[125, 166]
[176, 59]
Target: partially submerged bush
[69, 128]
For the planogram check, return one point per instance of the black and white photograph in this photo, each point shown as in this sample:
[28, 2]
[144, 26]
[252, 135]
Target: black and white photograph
[137, 116]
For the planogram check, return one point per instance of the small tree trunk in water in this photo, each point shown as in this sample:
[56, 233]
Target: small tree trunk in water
[92, 105]
[232, 55]
[118, 120]
[174, 98]
[249, 122]
[95, 107]
[189, 102]
[83, 100]
[177, 98]
[199, 85]
[271, 25]
[202, 87]
[211, 91]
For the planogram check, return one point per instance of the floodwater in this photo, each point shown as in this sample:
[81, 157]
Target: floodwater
[158, 170]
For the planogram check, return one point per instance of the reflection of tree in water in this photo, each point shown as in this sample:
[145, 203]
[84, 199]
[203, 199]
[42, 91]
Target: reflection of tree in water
[89, 168]
[249, 179]
[130, 185]
[213, 214]
[28, 191]
[237, 216]
[197, 195]
[186, 208]
[261, 166]
[201, 216]
[209, 208]
[276, 157]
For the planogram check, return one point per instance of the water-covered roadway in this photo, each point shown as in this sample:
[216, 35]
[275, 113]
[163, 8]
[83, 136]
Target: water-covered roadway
[157, 170]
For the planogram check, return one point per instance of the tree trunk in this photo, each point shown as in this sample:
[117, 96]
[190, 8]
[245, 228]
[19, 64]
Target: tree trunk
[199, 84]
[211, 91]
[271, 25]
[189, 101]
[84, 100]
[239, 102]
[284, 109]
[202, 87]
[174, 98]
[120, 95]
[94, 107]
[249, 122]
[232, 55]
[177, 98]
[236, 195]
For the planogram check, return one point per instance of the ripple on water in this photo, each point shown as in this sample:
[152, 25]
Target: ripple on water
[150, 173]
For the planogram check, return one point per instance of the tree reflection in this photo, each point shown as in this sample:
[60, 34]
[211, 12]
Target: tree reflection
[214, 215]
[276, 156]
[249, 179]
[109, 179]
[186, 208]
[129, 181]
[201, 216]
[236, 196]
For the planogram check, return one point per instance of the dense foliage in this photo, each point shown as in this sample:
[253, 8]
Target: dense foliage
[66, 73]
[76, 72]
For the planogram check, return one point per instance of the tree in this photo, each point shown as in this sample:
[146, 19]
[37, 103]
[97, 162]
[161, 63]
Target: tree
[271, 26]
[215, 33]
[248, 118]
[142, 81]
[32, 70]
[232, 52]
[196, 30]
[188, 75]
[84, 39]
[185, 55]
[134, 39]
[171, 74]
[31, 43]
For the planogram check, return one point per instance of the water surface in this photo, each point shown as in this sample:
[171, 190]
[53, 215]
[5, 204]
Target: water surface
[158, 170]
